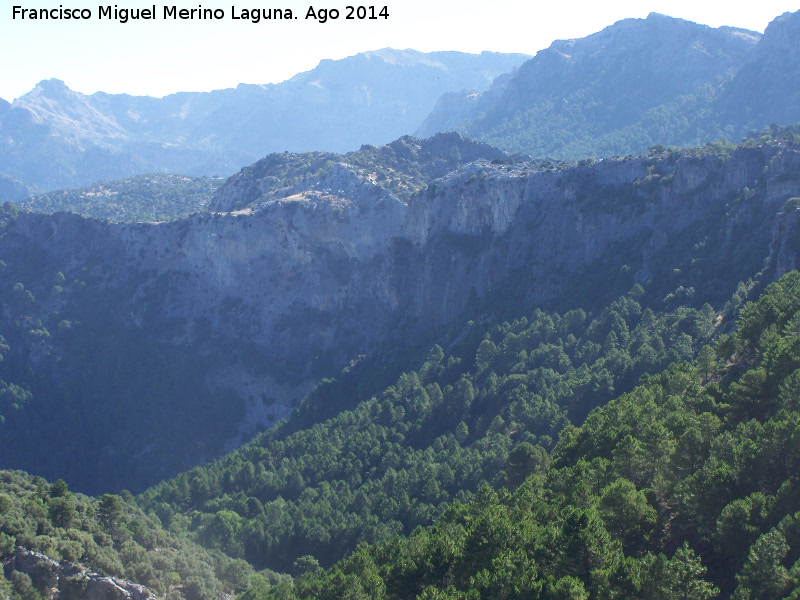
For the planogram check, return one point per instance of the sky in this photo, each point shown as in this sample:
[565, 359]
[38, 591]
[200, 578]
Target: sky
[160, 57]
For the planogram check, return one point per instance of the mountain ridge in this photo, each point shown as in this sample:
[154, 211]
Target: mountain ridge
[367, 98]
[689, 86]
[335, 265]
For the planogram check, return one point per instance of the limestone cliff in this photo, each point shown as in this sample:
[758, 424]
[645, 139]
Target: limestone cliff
[273, 297]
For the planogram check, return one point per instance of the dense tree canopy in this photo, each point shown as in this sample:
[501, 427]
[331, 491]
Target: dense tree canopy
[685, 487]
[487, 413]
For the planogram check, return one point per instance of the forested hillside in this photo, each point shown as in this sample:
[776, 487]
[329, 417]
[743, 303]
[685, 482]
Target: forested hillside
[471, 323]
[685, 84]
[681, 486]
[109, 535]
[686, 487]
[488, 411]
[434, 369]
[152, 197]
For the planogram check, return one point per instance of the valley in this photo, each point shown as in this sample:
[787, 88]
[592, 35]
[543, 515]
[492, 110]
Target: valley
[548, 348]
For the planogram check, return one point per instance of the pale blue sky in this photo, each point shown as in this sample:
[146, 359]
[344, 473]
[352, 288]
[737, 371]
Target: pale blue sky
[159, 57]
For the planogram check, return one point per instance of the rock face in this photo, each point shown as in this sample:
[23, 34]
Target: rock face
[308, 276]
[67, 581]
[373, 97]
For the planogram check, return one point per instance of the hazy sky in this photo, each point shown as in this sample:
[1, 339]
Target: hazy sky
[158, 57]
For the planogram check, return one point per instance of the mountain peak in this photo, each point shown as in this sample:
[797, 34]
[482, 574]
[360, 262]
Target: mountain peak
[656, 60]
[784, 26]
[767, 88]
[390, 56]
[785, 17]
[53, 82]
[52, 89]
[52, 85]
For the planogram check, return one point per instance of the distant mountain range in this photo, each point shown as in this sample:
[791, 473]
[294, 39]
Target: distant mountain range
[636, 83]
[54, 137]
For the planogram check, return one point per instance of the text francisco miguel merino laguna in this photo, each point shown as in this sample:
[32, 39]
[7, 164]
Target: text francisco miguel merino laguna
[123, 15]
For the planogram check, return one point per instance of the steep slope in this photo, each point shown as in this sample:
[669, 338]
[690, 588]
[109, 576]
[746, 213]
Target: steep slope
[373, 97]
[211, 327]
[684, 488]
[487, 410]
[767, 88]
[576, 91]
[54, 137]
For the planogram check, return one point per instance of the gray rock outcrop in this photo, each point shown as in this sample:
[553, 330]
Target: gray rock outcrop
[67, 581]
